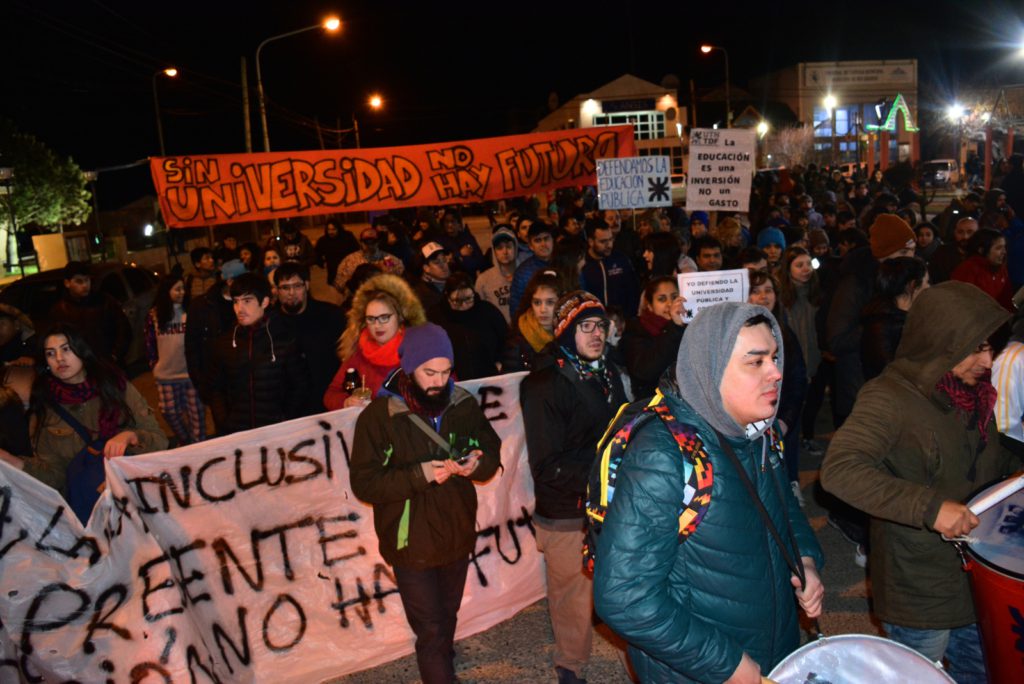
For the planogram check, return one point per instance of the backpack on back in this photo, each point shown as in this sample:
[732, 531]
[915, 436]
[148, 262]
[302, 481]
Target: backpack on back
[612, 449]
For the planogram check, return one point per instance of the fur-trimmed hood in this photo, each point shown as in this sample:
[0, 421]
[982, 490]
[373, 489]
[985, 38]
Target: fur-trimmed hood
[410, 309]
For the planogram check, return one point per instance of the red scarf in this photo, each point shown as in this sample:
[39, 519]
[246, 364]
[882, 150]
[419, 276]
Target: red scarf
[384, 355]
[653, 323]
[979, 400]
[73, 395]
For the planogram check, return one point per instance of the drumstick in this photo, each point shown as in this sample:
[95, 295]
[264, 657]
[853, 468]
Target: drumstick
[997, 494]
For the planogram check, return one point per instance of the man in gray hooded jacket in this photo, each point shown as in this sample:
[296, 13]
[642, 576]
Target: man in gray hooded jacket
[718, 606]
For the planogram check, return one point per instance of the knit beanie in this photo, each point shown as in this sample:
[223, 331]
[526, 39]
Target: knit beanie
[572, 307]
[423, 343]
[889, 233]
[701, 216]
[771, 236]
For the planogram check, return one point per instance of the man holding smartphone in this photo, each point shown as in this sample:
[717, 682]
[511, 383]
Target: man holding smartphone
[418, 449]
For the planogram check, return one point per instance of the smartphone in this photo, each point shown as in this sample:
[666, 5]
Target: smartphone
[461, 460]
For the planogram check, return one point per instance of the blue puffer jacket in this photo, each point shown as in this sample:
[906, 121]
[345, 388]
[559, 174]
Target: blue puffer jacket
[689, 611]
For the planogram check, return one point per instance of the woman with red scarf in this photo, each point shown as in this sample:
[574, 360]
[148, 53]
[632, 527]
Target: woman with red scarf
[382, 308]
[81, 411]
[650, 342]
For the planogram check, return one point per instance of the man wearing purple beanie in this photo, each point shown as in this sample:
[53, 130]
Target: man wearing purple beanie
[422, 493]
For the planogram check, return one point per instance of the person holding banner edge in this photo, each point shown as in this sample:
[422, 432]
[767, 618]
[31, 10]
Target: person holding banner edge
[418, 449]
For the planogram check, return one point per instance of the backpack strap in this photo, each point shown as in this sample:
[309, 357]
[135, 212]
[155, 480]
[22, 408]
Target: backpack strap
[697, 468]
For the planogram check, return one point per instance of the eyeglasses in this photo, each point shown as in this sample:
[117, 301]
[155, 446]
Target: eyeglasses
[383, 319]
[590, 326]
[291, 287]
[461, 301]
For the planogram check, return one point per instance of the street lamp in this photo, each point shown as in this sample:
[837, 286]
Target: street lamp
[331, 24]
[376, 102]
[957, 113]
[762, 129]
[831, 103]
[706, 49]
[169, 72]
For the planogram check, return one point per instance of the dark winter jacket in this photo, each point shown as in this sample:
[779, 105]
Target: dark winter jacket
[472, 264]
[420, 524]
[613, 281]
[517, 354]
[257, 377]
[843, 330]
[208, 317]
[905, 450]
[477, 335]
[564, 417]
[331, 250]
[101, 321]
[316, 331]
[883, 326]
[647, 353]
[690, 610]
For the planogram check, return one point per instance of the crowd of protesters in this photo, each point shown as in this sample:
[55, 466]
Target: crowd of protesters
[586, 300]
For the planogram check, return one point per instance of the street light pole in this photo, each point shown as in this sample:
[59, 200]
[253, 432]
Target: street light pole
[706, 49]
[331, 24]
[170, 73]
[831, 103]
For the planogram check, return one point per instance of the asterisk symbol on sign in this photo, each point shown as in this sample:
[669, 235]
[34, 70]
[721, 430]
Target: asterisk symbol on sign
[658, 189]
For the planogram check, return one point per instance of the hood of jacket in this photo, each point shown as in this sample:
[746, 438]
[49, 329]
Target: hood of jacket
[503, 231]
[412, 312]
[703, 358]
[944, 326]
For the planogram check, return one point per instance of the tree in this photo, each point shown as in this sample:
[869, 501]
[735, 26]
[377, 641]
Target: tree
[46, 190]
[792, 146]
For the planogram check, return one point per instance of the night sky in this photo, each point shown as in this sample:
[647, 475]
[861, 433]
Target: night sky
[78, 75]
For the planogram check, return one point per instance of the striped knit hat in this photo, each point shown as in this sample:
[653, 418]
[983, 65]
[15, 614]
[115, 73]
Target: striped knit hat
[572, 307]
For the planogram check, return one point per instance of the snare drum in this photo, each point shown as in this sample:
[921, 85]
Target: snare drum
[995, 561]
[856, 659]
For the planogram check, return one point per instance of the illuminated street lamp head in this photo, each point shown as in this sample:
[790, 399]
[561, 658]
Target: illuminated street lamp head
[830, 102]
[706, 48]
[332, 23]
[762, 128]
[170, 72]
[955, 111]
[376, 101]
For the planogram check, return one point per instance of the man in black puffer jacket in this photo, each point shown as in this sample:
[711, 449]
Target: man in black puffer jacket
[568, 400]
[257, 375]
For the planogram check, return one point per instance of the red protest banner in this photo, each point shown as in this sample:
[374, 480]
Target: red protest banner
[197, 190]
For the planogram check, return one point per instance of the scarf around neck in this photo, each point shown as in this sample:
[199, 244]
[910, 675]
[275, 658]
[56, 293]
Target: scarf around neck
[383, 355]
[533, 331]
[73, 395]
[411, 397]
[597, 370]
[972, 403]
[653, 323]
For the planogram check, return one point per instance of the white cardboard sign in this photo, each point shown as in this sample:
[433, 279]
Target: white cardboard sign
[721, 169]
[707, 288]
[634, 182]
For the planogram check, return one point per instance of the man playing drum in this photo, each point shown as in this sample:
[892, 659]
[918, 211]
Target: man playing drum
[920, 440]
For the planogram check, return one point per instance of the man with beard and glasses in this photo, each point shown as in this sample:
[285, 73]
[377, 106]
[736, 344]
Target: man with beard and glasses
[423, 498]
[567, 401]
[314, 325]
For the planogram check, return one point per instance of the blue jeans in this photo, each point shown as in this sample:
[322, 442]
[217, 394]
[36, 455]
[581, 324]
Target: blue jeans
[431, 599]
[961, 648]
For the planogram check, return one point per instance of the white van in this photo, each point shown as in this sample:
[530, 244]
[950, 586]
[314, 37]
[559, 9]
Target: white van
[940, 173]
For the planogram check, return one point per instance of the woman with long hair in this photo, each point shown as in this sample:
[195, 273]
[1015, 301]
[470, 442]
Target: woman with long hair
[165, 349]
[764, 292]
[382, 308]
[567, 260]
[650, 342]
[82, 410]
[251, 256]
[533, 323]
[661, 252]
[897, 285]
[799, 296]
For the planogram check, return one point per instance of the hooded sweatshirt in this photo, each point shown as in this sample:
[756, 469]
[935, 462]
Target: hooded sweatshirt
[906, 449]
[492, 285]
[690, 609]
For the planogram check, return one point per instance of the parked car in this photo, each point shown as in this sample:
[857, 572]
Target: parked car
[133, 287]
[940, 173]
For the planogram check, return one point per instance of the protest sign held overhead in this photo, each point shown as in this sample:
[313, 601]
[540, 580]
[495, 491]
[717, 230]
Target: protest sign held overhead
[707, 288]
[721, 169]
[198, 190]
[244, 558]
[634, 183]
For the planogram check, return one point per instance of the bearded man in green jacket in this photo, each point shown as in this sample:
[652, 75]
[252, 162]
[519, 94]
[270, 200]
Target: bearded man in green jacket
[921, 439]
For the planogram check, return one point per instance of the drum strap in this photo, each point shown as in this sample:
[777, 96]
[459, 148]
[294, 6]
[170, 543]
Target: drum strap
[787, 552]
